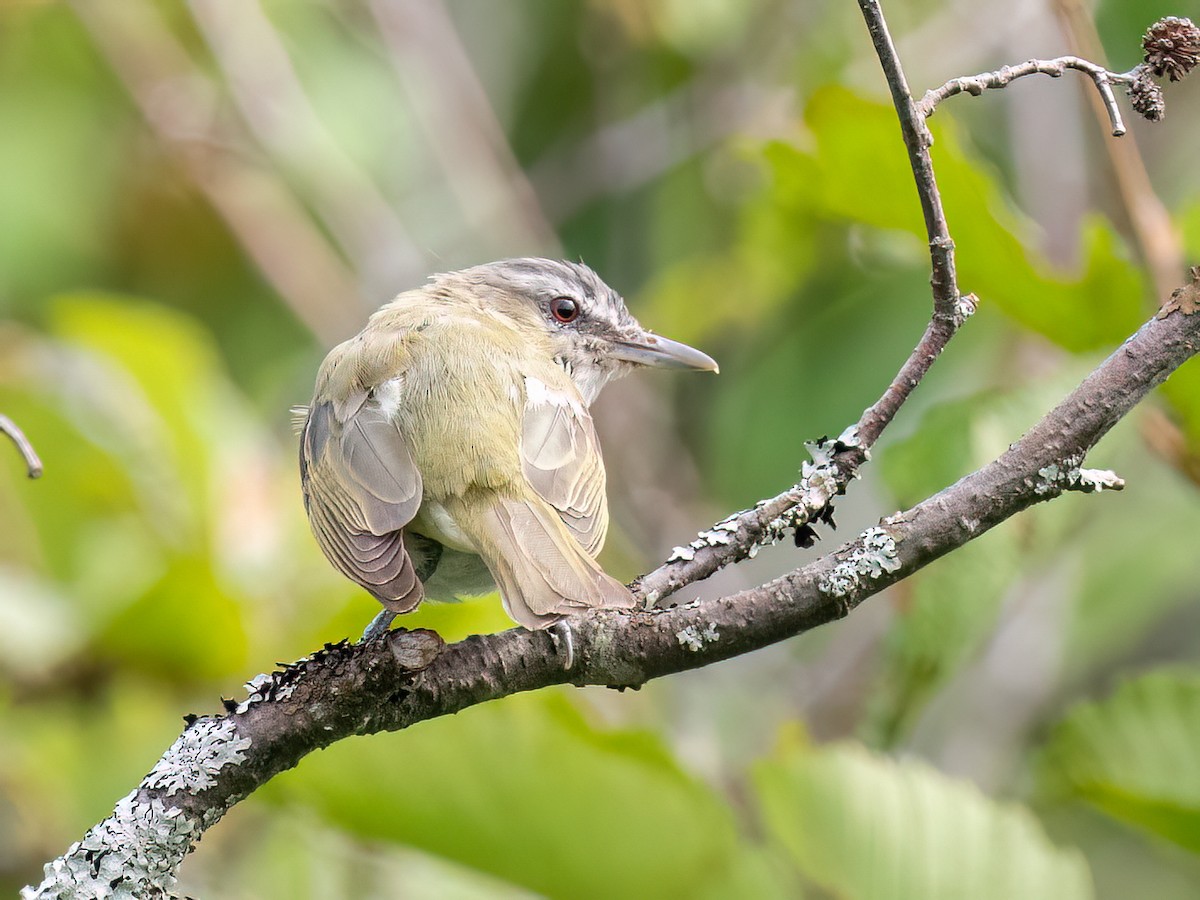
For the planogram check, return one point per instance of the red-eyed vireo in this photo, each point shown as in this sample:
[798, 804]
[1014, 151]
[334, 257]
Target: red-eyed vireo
[449, 449]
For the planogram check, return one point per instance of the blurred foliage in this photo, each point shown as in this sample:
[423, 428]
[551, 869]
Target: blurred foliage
[1130, 754]
[198, 199]
[927, 836]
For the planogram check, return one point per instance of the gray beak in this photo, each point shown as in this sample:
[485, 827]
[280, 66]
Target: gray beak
[649, 349]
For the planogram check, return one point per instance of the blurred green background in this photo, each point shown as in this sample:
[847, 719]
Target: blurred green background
[198, 199]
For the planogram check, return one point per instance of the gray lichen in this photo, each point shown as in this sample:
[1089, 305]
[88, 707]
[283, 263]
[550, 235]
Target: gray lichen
[820, 482]
[135, 852]
[131, 855]
[694, 638]
[1088, 480]
[964, 308]
[720, 534]
[682, 553]
[876, 555]
[197, 756]
[264, 687]
[1068, 476]
[1051, 479]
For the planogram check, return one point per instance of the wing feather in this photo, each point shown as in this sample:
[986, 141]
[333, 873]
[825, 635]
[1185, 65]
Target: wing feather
[560, 456]
[361, 487]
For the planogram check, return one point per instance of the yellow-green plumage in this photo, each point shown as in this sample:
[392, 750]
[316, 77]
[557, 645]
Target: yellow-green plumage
[456, 424]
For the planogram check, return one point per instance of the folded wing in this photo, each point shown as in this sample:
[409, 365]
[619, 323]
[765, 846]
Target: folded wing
[361, 487]
[560, 455]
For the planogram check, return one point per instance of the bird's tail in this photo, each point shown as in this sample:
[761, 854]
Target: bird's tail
[542, 571]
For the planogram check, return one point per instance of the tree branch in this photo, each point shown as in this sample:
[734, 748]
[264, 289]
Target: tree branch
[407, 677]
[740, 536]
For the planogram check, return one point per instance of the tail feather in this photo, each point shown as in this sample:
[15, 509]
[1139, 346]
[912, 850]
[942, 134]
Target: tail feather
[542, 571]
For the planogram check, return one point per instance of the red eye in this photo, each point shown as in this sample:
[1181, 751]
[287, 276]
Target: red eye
[564, 309]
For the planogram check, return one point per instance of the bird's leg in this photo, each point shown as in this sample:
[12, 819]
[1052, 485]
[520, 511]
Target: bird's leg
[564, 641]
[379, 625]
[426, 553]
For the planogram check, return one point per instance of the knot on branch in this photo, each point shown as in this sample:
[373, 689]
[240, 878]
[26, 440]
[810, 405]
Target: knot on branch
[1185, 300]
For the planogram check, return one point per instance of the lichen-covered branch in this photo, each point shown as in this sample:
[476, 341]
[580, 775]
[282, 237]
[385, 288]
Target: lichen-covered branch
[407, 677]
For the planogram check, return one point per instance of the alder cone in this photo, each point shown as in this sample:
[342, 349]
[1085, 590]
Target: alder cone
[1172, 47]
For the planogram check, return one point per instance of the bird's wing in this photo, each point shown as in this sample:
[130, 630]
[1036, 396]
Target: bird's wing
[361, 487]
[560, 456]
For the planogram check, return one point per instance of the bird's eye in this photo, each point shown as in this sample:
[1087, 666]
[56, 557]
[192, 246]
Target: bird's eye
[564, 309]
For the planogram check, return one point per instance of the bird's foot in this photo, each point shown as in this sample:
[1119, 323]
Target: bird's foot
[564, 641]
[379, 625]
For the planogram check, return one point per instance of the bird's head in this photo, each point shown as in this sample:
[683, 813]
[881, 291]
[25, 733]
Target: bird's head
[582, 322]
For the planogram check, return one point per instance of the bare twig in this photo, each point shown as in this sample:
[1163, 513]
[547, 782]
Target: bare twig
[977, 84]
[740, 535]
[32, 461]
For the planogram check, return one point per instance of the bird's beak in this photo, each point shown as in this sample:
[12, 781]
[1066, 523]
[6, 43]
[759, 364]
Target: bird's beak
[648, 349]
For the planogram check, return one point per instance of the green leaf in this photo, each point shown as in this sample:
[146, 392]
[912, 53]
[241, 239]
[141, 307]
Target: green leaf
[529, 791]
[860, 172]
[865, 826]
[1133, 755]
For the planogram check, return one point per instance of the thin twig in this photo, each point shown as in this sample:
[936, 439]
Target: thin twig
[739, 536]
[1001, 78]
[32, 461]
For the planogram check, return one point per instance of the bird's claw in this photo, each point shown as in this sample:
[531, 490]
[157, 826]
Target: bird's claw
[564, 641]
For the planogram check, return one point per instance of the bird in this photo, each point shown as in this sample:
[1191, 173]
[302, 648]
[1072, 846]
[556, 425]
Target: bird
[448, 449]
